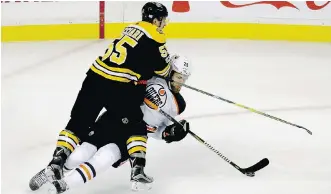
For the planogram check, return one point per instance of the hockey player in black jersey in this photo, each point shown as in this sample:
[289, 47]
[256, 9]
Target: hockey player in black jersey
[112, 83]
[108, 148]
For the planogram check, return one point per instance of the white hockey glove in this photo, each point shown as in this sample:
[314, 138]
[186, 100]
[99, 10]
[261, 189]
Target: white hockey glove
[176, 132]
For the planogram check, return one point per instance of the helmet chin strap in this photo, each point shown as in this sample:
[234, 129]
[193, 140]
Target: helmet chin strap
[159, 28]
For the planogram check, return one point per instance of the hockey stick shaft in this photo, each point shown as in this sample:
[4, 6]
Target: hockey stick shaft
[242, 106]
[253, 168]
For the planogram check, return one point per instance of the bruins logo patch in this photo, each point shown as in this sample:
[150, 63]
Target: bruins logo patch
[156, 94]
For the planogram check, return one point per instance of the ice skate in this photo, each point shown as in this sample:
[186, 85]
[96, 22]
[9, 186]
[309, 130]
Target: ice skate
[54, 171]
[59, 186]
[139, 180]
[38, 180]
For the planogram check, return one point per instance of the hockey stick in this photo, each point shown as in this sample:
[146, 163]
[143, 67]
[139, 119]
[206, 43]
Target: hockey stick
[240, 105]
[250, 171]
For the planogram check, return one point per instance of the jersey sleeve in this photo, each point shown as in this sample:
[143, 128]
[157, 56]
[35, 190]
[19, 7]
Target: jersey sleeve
[156, 133]
[159, 55]
[162, 60]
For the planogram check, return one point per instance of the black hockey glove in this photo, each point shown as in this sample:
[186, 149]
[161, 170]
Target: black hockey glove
[176, 132]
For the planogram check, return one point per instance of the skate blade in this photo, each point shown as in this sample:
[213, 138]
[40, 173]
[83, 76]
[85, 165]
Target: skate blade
[138, 186]
[47, 188]
[50, 176]
[52, 191]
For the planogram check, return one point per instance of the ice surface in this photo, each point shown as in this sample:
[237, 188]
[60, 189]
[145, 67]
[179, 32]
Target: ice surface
[289, 80]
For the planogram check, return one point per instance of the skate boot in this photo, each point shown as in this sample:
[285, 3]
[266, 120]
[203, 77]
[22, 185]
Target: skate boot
[54, 171]
[38, 180]
[139, 180]
[59, 186]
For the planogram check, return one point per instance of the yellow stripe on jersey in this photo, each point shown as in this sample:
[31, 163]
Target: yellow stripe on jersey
[137, 149]
[71, 135]
[66, 145]
[152, 31]
[118, 69]
[111, 77]
[136, 138]
[163, 72]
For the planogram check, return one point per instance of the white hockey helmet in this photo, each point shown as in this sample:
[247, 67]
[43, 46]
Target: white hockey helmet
[180, 71]
[181, 64]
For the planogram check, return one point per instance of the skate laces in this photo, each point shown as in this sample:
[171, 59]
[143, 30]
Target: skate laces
[40, 178]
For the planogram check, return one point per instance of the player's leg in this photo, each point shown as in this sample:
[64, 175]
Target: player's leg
[99, 136]
[81, 154]
[104, 158]
[131, 115]
[88, 105]
[137, 139]
[103, 136]
[136, 146]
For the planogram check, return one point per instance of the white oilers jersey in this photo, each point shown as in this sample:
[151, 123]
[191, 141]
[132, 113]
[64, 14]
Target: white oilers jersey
[158, 92]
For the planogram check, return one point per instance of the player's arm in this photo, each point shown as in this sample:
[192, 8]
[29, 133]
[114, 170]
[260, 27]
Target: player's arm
[171, 132]
[162, 60]
[176, 132]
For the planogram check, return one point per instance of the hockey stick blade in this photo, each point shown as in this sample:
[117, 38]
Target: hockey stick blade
[250, 171]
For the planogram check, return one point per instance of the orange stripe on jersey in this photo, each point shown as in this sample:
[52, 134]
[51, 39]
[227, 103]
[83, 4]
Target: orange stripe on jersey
[151, 129]
[150, 104]
[87, 172]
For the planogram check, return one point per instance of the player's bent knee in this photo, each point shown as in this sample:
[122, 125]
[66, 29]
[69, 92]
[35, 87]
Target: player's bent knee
[105, 157]
[81, 154]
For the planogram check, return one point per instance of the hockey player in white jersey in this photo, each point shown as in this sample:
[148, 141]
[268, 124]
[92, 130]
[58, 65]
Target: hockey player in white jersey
[109, 147]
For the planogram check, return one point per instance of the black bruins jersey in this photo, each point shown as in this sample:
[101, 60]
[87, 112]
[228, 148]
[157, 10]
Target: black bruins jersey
[138, 54]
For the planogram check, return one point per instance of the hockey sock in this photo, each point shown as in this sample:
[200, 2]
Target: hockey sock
[136, 146]
[67, 141]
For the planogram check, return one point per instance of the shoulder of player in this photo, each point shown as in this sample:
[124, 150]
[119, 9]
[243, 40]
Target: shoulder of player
[160, 82]
[150, 31]
[159, 85]
[157, 80]
[162, 88]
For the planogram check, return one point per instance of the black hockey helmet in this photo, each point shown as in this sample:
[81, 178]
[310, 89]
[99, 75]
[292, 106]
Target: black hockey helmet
[152, 10]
